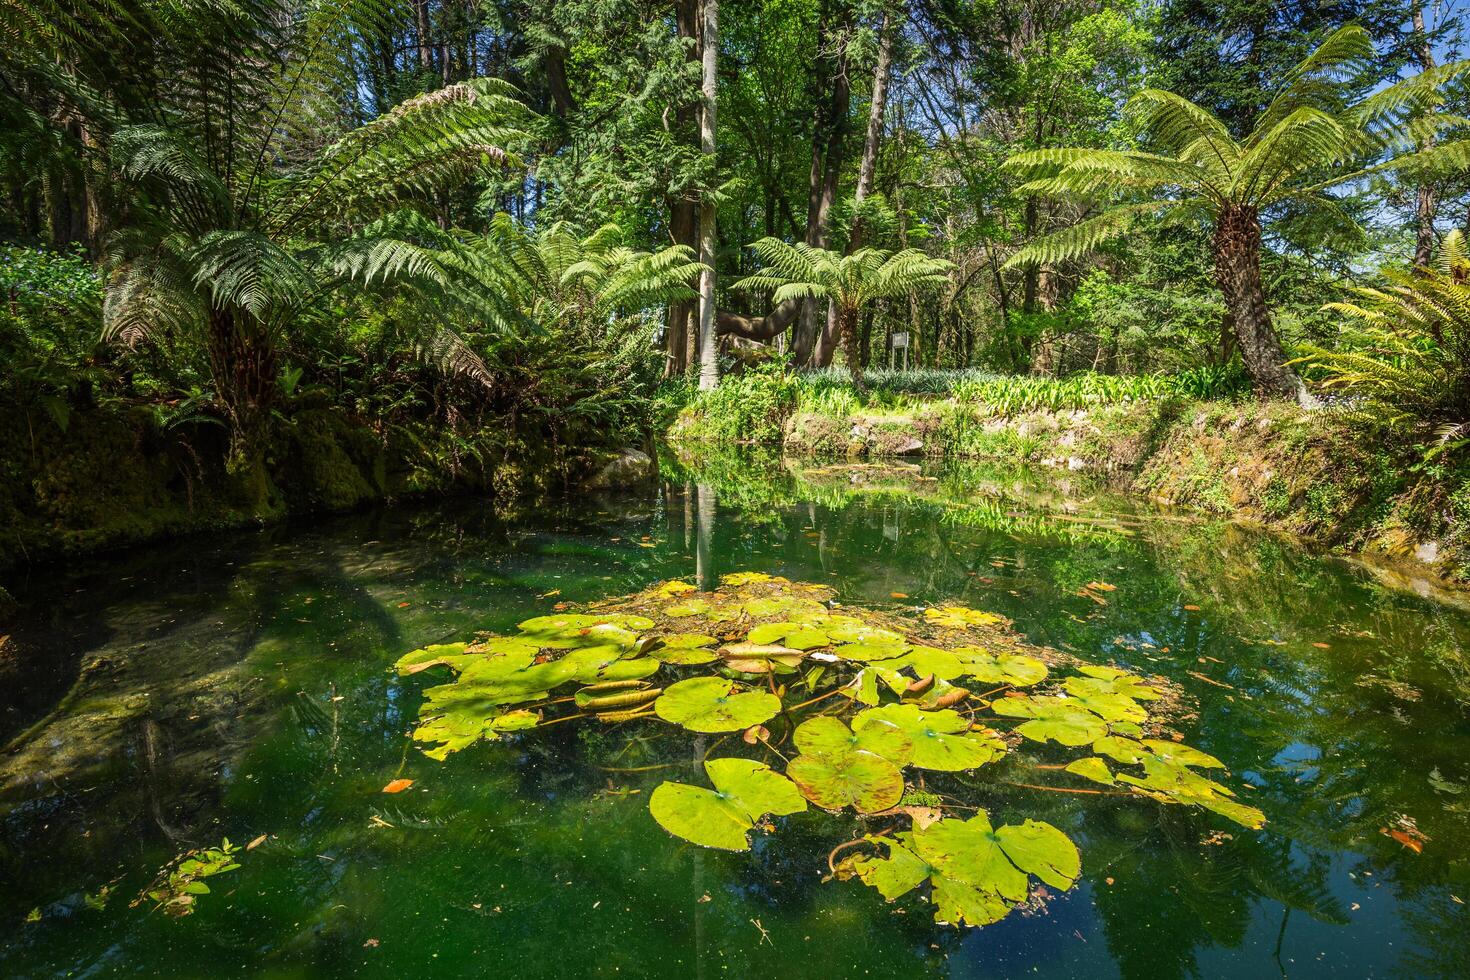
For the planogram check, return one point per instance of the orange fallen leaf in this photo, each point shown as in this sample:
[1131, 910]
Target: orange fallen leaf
[398, 786]
[1192, 608]
[1413, 840]
[899, 595]
[255, 843]
[404, 605]
[1101, 586]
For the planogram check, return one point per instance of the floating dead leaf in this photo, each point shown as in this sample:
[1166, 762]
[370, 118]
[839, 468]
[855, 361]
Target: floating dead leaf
[1406, 834]
[923, 816]
[398, 786]
[899, 595]
[756, 733]
[255, 843]
[1101, 587]
[371, 944]
[1322, 646]
[1191, 608]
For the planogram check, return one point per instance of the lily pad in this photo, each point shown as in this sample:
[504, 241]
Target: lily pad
[978, 873]
[714, 704]
[834, 780]
[1111, 680]
[744, 791]
[961, 617]
[673, 587]
[1052, 719]
[943, 740]
[736, 579]
[1110, 707]
[451, 655]
[458, 730]
[687, 608]
[1091, 768]
[686, 648]
[798, 636]
[1172, 782]
[825, 734]
[1001, 668]
[1181, 754]
[1125, 750]
[931, 660]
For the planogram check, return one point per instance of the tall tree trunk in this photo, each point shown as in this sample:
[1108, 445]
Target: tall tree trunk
[837, 128]
[421, 25]
[868, 167]
[1427, 196]
[1237, 252]
[709, 364]
[683, 210]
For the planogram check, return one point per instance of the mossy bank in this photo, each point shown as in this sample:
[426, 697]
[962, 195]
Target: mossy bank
[1312, 474]
[110, 478]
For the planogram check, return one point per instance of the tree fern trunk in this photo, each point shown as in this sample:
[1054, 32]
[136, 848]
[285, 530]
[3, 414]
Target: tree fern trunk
[847, 322]
[1237, 251]
[709, 365]
[242, 360]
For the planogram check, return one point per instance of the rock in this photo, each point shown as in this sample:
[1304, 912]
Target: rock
[909, 446]
[1427, 552]
[627, 468]
[1076, 463]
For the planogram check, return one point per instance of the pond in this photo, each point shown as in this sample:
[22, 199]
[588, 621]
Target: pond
[242, 687]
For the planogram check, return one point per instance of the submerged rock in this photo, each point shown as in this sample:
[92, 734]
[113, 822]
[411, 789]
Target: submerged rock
[627, 468]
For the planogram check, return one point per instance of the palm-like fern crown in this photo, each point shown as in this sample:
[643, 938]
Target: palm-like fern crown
[229, 136]
[1406, 346]
[535, 279]
[800, 271]
[1310, 139]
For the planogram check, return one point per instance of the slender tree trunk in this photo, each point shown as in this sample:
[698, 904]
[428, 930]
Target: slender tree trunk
[683, 209]
[421, 24]
[1427, 197]
[709, 364]
[868, 167]
[1237, 251]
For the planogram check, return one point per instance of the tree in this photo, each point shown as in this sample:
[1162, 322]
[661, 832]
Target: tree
[709, 361]
[1310, 139]
[849, 282]
[235, 223]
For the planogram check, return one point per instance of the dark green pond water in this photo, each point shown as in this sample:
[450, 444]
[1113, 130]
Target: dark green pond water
[241, 687]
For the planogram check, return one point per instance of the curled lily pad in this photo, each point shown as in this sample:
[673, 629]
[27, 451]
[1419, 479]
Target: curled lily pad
[1001, 668]
[757, 658]
[451, 655]
[1111, 680]
[943, 740]
[714, 704]
[1056, 719]
[960, 617]
[825, 734]
[851, 777]
[977, 873]
[744, 790]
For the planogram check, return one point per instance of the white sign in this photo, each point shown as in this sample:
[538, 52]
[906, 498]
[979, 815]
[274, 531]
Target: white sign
[901, 339]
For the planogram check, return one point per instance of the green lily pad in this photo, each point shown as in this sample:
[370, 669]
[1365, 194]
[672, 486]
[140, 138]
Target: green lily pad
[1055, 719]
[1091, 768]
[977, 873]
[1110, 707]
[961, 617]
[834, 780]
[1181, 754]
[458, 730]
[744, 791]
[1001, 668]
[798, 636]
[943, 664]
[1173, 782]
[714, 704]
[1111, 680]
[943, 740]
[451, 655]
[1125, 750]
[825, 734]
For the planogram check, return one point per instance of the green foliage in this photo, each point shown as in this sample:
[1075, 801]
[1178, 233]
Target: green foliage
[746, 407]
[179, 885]
[1404, 358]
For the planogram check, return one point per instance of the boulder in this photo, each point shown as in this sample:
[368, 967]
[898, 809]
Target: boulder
[625, 468]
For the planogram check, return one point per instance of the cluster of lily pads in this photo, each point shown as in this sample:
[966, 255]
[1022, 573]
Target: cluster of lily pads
[863, 697]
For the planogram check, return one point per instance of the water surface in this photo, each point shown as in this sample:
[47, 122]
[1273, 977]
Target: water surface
[239, 687]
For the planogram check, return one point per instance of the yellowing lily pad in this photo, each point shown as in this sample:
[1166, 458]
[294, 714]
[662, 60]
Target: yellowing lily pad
[743, 792]
[1001, 668]
[825, 734]
[687, 608]
[960, 617]
[1091, 768]
[834, 780]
